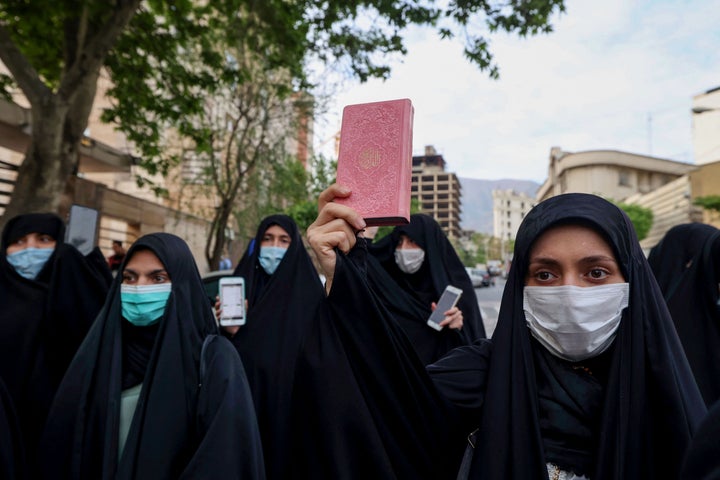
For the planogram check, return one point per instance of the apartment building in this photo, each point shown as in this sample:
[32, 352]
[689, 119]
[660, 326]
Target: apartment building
[437, 191]
[609, 173]
[509, 209]
[706, 126]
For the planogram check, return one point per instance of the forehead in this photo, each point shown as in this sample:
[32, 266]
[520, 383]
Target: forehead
[144, 260]
[34, 234]
[570, 241]
[276, 230]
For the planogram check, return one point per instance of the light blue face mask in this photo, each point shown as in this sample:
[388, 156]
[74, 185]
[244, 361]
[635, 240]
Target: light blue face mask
[144, 305]
[270, 258]
[28, 262]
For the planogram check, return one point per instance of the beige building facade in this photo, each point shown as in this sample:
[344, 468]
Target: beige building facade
[706, 126]
[437, 191]
[666, 187]
[509, 210]
[611, 174]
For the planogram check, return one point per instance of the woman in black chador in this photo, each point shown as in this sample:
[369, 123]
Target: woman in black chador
[419, 262]
[675, 252]
[584, 378]
[153, 392]
[50, 294]
[284, 293]
[692, 296]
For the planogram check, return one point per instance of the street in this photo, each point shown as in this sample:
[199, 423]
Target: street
[489, 302]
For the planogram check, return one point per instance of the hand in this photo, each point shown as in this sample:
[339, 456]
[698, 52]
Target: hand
[335, 226]
[231, 329]
[453, 317]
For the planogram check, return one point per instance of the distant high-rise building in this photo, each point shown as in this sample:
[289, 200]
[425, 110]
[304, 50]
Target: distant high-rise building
[509, 209]
[437, 191]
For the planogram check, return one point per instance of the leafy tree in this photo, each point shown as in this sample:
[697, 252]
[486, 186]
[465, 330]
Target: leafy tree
[641, 218]
[305, 211]
[708, 202]
[56, 50]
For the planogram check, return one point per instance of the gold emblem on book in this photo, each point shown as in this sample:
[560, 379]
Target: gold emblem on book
[369, 158]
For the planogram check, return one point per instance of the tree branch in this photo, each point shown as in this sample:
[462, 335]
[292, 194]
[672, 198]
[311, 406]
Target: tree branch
[90, 57]
[22, 71]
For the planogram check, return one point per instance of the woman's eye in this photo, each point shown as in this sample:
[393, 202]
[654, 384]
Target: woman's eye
[598, 273]
[543, 276]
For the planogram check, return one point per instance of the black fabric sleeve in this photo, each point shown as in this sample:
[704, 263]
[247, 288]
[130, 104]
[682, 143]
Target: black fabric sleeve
[229, 441]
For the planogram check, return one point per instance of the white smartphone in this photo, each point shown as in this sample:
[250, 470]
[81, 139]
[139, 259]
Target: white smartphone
[232, 301]
[448, 300]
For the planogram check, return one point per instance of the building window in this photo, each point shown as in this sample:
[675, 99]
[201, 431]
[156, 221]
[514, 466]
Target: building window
[624, 178]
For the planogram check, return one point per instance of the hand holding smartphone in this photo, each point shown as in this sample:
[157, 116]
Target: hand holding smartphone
[232, 301]
[448, 300]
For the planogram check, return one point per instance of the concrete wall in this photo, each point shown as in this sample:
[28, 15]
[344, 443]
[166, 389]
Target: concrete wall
[671, 205]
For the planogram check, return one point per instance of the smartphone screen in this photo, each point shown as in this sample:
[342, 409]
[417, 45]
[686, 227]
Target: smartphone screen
[81, 231]
[448, 299]
[232, 300]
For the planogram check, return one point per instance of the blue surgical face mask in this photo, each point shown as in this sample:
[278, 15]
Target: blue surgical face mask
[29, 261]
[270, 258]
[144, 305]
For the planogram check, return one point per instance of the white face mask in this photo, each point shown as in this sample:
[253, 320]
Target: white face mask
[409, 260]
[575, 323]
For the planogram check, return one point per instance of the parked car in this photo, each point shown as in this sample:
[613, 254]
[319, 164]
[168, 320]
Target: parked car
[480, 277]
[476, 280]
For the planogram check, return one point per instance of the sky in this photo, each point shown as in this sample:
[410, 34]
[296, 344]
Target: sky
[616, 74]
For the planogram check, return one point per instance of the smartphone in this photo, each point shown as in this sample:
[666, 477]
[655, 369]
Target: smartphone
[448, 300]
[81, 230]
[232, 301]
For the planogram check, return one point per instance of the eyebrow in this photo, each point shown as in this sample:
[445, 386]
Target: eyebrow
[154, 272]
[588, 259]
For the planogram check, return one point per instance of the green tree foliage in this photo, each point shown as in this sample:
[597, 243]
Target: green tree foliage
[708, 202]
[304, 211]
[641, 218]
[55, 52]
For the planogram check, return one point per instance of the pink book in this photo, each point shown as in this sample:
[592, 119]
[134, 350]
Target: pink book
[375, 160]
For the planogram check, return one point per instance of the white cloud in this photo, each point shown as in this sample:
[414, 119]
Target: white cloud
[618, 74]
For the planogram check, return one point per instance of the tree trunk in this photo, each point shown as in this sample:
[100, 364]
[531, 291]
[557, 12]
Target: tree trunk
[52, 156]
[48, 162]
[216, 237]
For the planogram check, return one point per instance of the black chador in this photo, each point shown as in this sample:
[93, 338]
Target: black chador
[44, 320]
[281, 309]
[408, 296]
[692, 295]
[194, 416]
